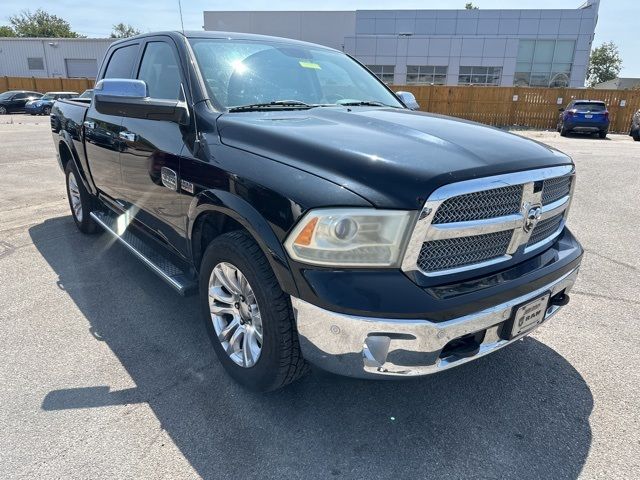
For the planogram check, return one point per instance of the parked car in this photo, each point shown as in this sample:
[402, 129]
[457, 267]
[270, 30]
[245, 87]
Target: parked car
[318, 222]
[42, 106]
[635, 126]
[15, 100]
[587, 116]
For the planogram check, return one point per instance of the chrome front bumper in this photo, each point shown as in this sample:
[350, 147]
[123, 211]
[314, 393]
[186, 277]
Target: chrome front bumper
[369, 347]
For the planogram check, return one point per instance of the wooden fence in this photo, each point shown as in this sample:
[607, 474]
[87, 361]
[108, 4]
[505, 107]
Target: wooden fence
[500, 106]
[46, 84]
[520, 106]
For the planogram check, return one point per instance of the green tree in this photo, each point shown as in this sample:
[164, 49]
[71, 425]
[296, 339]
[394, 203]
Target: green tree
[470, 6]
[605, 64]
[123, 30]
[41, 24]
[6, 31]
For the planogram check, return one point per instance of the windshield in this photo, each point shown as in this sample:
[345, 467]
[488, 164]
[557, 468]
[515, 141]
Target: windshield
[590, 106]
[87, 94]
[238, 72]
[48, 96]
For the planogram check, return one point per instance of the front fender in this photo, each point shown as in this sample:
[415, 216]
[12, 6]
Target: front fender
[245, 214]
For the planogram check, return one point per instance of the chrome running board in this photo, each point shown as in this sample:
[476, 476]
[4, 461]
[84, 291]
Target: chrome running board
[116, 226]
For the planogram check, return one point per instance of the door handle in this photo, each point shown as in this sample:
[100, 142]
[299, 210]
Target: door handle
[129, 136]
[89, 124]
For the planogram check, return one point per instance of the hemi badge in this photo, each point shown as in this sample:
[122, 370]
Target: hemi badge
[186, 186]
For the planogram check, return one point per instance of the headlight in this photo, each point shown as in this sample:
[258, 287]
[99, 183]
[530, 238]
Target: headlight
[354, 237]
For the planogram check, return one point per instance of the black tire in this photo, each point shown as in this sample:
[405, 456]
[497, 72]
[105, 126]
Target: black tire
[83, 220]
[636, 135]
[563, 131]
[3, 110]
[46, 110]
[603, 133]
[280, 361]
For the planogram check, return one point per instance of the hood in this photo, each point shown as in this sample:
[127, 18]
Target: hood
[394, 158]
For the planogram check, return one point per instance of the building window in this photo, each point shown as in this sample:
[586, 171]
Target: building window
[479, 75]
[35, 63]
[426, 75]
[383, 72]
[544, 63]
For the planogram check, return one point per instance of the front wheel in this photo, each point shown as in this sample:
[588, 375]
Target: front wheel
[80, 200]
[248, 317]
[46, 110]
[3, 110]
[636, 134]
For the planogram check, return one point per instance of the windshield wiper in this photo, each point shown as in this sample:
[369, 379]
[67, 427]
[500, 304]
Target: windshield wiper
[364, 103]
[277, 104]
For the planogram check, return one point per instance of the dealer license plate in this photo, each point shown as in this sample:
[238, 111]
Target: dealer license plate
[529, 315]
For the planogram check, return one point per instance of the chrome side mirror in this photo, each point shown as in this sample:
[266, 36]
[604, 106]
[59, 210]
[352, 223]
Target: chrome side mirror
[409, 100]
[130, 98]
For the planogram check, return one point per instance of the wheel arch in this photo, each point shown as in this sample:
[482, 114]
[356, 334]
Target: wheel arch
[215, 212]
[67, 152]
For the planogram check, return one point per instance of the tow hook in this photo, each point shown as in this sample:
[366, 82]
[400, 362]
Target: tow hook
[560, 300]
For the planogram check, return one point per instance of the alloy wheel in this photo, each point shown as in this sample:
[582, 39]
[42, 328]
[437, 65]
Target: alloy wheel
[3, 111]
[74, 193]
[235, 314]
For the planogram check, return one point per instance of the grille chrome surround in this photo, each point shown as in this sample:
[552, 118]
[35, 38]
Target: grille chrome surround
[543, 197]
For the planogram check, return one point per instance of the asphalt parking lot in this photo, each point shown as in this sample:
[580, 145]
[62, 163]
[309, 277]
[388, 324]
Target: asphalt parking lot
[106, 373]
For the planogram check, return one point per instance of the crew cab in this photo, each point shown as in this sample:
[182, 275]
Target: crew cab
[319, 219]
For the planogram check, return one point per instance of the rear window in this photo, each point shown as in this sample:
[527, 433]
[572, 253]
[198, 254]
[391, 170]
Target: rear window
[121, 62]
[591, 106]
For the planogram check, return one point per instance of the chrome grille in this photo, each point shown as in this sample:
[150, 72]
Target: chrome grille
[496, 202]
[545, 229]
[554, 189]
[457, 252]
[484, 221]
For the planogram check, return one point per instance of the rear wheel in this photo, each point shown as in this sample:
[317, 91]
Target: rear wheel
[563, 130]
[603, 133]
[636, 134]
[248, 317]
[80, 200]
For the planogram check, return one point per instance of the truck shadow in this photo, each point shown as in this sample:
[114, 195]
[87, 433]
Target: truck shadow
[522, 412]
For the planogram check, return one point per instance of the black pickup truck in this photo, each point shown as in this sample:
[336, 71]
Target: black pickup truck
[319, 219]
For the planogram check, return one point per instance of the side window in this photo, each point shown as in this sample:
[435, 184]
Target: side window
[160, 70]
[121, 62]
[19, 96]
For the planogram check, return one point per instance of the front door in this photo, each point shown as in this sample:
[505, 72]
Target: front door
[150, 157]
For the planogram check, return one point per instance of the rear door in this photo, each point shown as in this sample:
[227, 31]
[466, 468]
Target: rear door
[102, 132]
[151, 149]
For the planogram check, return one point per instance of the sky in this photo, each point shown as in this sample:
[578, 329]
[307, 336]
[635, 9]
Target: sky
[619, 20]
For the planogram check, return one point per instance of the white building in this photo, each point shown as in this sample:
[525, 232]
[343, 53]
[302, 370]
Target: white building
[52, 57]
[453, 47]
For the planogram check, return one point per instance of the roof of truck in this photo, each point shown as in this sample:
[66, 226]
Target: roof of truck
[227, 35]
